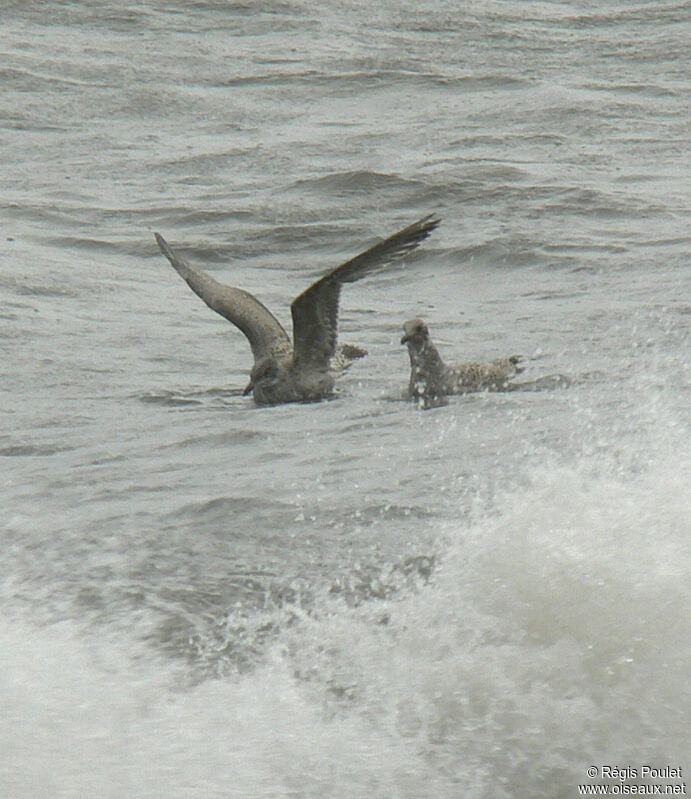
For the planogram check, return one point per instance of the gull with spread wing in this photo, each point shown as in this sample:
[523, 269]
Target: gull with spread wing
[304, 370]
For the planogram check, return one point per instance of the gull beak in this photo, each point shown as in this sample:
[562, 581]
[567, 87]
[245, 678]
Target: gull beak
[248, 389]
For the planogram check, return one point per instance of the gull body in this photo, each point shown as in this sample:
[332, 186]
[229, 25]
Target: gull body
[430, 377]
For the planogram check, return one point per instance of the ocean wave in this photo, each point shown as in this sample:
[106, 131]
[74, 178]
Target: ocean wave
[187, 397]
[356, 181]
[21, 450]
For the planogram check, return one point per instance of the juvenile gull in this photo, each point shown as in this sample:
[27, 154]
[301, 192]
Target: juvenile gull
[304, 370]
[430, 377]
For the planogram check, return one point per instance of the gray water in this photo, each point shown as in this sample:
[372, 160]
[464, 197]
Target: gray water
[354, 598]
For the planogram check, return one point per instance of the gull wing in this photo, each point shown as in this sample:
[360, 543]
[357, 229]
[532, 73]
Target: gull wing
[255, 320]
[315, 311]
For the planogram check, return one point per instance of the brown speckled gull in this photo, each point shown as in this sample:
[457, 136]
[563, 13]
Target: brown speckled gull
[430, 377]
[304, 370]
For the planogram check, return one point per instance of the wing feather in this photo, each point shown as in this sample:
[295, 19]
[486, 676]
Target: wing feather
[315, 311]
[263, 331]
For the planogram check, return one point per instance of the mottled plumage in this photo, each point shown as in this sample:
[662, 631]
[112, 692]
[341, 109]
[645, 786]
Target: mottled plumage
[304, 370]
[430, 377]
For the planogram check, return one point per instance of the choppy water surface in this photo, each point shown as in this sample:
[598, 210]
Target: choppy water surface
[354, 598]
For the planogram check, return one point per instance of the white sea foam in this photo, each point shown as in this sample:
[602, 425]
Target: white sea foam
[553, 635]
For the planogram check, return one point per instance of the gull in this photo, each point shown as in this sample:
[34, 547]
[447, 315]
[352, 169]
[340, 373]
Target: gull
[430, 377]
[304, 370]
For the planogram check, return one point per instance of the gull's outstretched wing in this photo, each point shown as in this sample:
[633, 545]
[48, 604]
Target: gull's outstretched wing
[263, 331]
[315, 311]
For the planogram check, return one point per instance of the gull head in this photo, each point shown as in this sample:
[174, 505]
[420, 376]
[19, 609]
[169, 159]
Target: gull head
[415, 332]
[264, 374]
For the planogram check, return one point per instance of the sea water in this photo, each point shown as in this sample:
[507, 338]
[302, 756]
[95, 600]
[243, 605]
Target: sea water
[353, 598]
